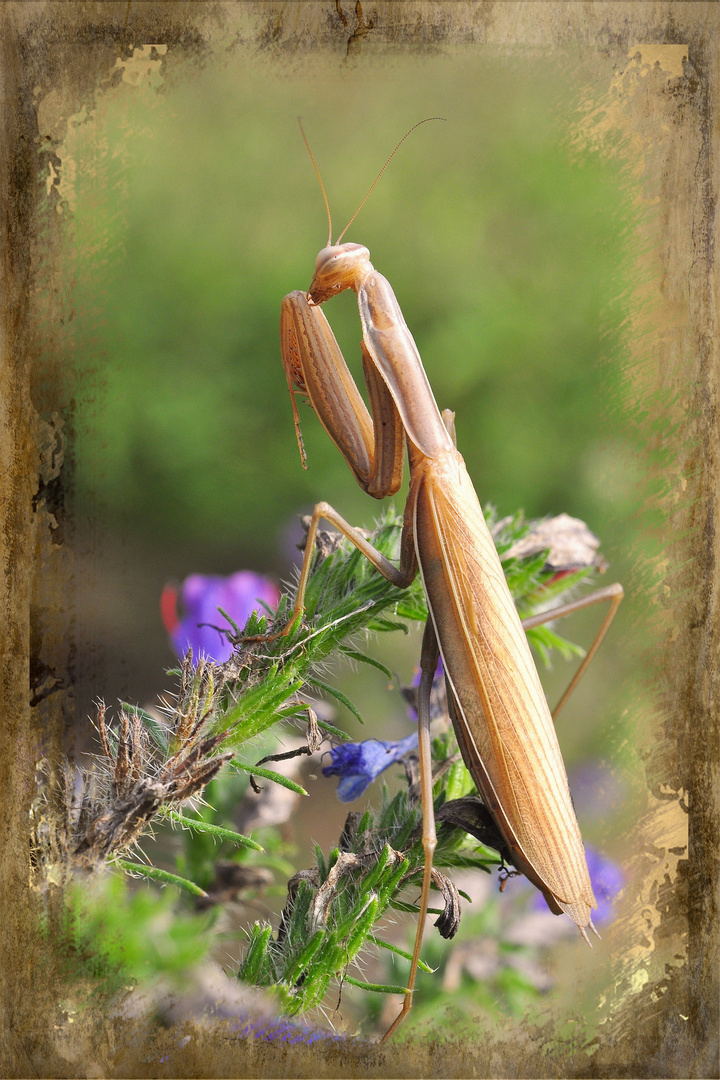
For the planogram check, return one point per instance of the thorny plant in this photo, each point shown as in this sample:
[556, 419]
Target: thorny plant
[146, 770]
[149, 768]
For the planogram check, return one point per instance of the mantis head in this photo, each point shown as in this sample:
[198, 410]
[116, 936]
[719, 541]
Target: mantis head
[338, 267]
[343, 266]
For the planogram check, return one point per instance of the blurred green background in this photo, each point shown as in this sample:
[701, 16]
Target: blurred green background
[507, 242]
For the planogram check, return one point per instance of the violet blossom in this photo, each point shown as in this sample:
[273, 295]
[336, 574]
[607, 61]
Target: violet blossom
[358, 764]
[606, 878]
[199, 625]
[607, 881]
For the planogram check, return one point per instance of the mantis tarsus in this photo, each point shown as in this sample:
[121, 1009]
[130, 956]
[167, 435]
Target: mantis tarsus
[501, 718]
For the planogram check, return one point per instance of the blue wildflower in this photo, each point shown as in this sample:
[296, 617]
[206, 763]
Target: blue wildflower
[438, 685]
[358, 764]
[596, 790]
[200, 627]
[606, 878]
[283, 1031]
[607, 881]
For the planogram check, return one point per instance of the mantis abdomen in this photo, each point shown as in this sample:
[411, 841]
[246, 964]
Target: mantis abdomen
[502, 721]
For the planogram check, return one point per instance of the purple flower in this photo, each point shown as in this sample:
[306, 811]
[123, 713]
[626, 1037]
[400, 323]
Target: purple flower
[607, 881]
[438, 688]
[357, 764]
[201, 625]
[596, 790]
[283, 1031]
[606, 878]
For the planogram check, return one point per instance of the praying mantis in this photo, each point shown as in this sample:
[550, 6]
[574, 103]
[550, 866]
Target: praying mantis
[501, 719]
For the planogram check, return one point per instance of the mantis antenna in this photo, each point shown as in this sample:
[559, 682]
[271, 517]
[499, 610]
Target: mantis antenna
[317, 173]
[392, 155]
[370, 189]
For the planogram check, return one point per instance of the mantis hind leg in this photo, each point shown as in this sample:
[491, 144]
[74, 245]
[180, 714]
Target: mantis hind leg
[428, 665]
[611, 593]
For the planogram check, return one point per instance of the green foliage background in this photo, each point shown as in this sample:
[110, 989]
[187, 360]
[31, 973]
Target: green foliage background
[505, 244]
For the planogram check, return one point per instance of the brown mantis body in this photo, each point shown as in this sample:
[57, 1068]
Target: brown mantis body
[498, 708]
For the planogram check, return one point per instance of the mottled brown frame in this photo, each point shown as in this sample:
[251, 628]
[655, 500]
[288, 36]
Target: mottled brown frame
[669, 1026]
